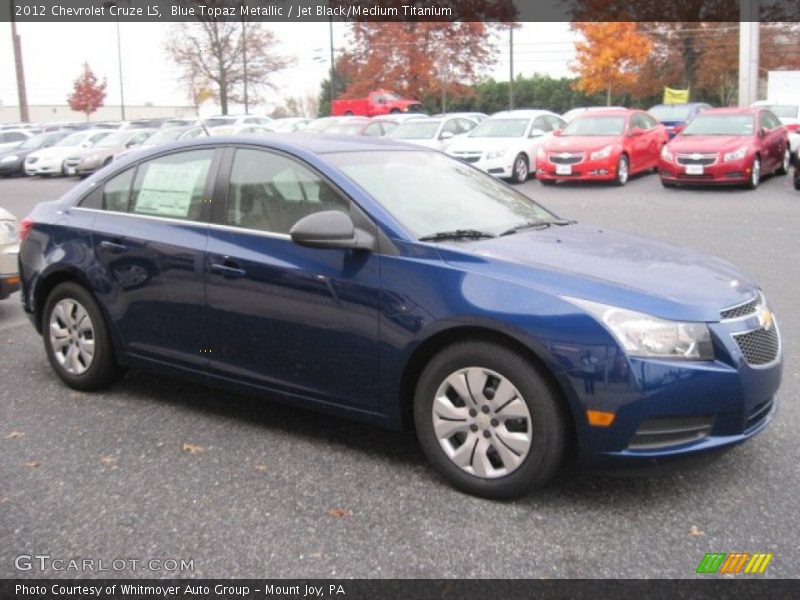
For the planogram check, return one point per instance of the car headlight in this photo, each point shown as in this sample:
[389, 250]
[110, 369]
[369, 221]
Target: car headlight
[9, 230]
[644, 335]
[601, 154]
[496, 154]
[8, 159]
[735, 155]
[666, 154]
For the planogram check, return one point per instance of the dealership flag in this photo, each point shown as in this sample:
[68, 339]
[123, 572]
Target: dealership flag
[675, 96]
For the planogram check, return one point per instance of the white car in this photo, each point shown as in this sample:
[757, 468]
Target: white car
[50, 161]
[11, 138]
[505, 144]
[9, 249]
[224, 130]
[433, 133]
[288, 124]
[789, 114]
[234, 120]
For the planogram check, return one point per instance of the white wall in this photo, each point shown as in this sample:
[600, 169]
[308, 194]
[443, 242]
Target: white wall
[53, 112]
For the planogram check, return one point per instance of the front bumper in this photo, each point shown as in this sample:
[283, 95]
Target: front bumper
[50, 166]
[81, 166]
[13, 167]
[9, 275]
[585, 170]
[502, 167]
[667, 410]
[733, 172]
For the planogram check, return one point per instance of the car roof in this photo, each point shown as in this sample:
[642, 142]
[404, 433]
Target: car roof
[523, 113]
[681, 104]
[607, 111]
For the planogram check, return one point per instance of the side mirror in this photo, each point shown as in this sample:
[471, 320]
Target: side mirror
[537, 133]
[678, 128]
[763, 132]
[131, 144]
[636, 132]
[330, 229]
[557, 133]
[447, 135]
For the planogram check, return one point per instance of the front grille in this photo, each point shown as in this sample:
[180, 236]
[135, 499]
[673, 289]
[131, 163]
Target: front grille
[758, 414]
[759, 347]
[663, 432]
[566, 158]
[470, 157]
[73, 161]
[742, 310]
[696, 159]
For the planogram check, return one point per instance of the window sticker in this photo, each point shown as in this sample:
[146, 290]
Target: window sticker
[167, 189]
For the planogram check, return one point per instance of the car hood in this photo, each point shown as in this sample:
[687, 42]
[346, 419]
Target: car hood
[708, 143]
[579, 143]
[6, 216]
[56, 152]
[612, 267]
[483, 144]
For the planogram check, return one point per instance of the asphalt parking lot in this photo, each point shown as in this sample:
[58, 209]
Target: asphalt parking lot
[269, 491]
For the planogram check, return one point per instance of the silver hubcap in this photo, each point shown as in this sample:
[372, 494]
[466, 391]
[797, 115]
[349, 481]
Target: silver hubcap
[756, 174]
[482, 422]
[72, 336]
[522, 170]
[622, 172]
[787, 159]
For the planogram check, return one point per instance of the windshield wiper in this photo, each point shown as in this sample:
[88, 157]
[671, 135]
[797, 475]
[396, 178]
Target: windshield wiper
[540, 224]
[457, 234]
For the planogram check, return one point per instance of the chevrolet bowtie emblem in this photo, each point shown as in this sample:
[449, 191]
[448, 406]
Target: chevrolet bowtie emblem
[765, 318]
[696, 156]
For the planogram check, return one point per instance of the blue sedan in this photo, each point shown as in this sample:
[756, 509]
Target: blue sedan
[398, 286]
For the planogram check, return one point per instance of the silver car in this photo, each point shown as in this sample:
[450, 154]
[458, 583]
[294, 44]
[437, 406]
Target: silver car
[103, 152]
[9, 249]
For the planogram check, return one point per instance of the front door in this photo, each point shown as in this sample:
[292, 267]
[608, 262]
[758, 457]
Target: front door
[283, 316]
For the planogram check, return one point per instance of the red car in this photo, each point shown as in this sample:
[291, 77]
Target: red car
[726, 146]
[603, 145]
[379, 102]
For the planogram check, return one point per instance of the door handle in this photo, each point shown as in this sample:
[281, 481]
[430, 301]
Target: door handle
[228, 269]
[113, 247]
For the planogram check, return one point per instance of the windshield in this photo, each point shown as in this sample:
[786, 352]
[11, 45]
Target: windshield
[720, 125]
[115, 139]
[599, 126]
[351, 129]
[429, 192]
[671, 112]
[784, 111]
[219, 121]
[501, 128]
[35, 141]
[415, 130]
[75, 139]
[162, 137]
[321, 124]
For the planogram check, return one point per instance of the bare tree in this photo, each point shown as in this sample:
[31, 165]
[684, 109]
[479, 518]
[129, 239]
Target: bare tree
[210, 56]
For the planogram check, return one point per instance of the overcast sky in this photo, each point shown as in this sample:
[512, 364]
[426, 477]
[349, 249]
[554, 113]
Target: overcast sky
[53, 54]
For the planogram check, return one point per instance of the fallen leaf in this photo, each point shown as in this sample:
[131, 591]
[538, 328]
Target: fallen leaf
[14, 435]
[696, 531]
[192, 448]
[261, 468]
[32, 464]
[339, 513]
[109, 461]
[9, 341]
[315, 555]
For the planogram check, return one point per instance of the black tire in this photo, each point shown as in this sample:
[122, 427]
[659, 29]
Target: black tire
[349, 113]
[394, 111]
[783, 169]
[548, 420]
[796, 179]
[521, 170]
[755, 174]
[623, 170]
[103, 369]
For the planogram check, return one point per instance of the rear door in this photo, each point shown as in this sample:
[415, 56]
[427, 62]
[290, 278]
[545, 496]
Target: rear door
[774, 140]
[283, 316]
[149, 243]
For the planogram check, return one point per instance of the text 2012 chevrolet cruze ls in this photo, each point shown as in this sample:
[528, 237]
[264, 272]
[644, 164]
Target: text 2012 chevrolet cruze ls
[399, 286]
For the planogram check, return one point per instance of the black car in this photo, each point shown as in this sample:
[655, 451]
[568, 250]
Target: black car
[12, 161]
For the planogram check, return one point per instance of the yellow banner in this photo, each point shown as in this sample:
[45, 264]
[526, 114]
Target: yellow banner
[675, 96]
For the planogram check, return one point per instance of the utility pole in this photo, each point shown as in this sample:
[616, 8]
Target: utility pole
[333, 65]
[511, 67]
[119, 63]
[244, 59]
[24, 115]
[749, 38]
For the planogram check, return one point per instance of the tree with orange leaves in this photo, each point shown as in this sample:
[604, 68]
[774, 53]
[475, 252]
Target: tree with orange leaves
[416, 59]
[88, 93]
[610, 56]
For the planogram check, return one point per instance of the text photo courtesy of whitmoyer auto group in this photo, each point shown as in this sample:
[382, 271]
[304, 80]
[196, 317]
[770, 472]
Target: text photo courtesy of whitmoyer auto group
[399, 299]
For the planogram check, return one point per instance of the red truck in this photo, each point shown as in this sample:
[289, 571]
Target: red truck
[379, 102]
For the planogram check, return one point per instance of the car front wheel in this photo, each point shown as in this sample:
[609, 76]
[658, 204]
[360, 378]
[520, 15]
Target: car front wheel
[488, 420]
[623, 170]
[755, 174]
[521, 169]
[76, 339]
[785, 163]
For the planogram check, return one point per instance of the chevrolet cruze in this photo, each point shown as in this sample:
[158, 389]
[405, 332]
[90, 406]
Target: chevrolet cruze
[401, 287]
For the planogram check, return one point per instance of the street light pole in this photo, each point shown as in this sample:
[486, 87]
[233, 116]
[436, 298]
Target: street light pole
[119, 63]
[748, 51]
[333, 64]
[511, 67]
[24, 116]
[244, 58]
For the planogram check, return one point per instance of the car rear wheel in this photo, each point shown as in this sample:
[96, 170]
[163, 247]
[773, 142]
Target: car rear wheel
[623, 170]
[348, 113]
[488, 420]
[755, 174]
[796, 178]
[521, 169]
[785, 163]
[76, 339]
